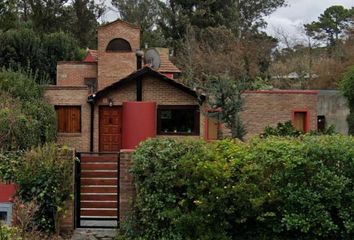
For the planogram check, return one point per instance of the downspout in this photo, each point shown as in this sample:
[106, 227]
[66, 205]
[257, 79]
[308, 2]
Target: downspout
[139, 86]
[91, 101]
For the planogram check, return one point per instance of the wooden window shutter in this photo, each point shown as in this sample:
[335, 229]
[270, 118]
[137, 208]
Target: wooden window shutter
[69, 119]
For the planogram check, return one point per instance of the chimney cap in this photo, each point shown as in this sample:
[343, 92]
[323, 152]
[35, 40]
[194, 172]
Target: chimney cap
[139, 53]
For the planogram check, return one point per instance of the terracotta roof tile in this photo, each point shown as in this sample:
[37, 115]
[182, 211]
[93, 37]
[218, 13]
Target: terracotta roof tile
[91, 56]
[167, 66]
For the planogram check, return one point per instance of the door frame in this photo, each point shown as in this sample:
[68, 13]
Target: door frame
[307, 118]
[99, 124]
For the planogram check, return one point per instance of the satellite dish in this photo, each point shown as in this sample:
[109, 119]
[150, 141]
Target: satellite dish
[152, 59]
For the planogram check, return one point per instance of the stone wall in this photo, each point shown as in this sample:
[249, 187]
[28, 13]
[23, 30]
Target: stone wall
[333, 105]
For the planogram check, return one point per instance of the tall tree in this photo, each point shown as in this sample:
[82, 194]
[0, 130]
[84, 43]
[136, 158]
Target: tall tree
[8, 15]
[241, 16]
[85, 21]
[49, 15]
[144, 13]
[332, 24]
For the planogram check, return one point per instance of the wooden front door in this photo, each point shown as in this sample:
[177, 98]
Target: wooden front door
[110, 121]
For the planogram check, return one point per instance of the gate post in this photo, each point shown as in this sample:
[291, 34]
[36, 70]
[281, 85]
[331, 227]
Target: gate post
[77, 190]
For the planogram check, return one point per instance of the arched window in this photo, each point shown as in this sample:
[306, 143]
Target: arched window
[119, 45]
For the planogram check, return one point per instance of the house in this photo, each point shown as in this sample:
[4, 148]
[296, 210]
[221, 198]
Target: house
[111, 100]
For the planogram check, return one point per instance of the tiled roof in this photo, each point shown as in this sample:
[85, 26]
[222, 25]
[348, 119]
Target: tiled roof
[91, 56]
[166, 65]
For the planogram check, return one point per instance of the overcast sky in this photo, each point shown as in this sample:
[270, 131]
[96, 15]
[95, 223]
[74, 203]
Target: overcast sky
[292, 17]
[289, 18]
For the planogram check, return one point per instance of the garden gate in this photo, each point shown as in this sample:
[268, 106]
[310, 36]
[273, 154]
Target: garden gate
[97, 190]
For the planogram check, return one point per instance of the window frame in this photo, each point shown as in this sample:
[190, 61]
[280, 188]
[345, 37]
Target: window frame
[119, 50]
[196, 109]
[80, 118]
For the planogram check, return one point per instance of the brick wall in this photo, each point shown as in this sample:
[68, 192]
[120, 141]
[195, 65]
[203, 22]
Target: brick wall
[153, 90]
[126, 185]
[72, 96]
[74, 73]
[113, 66]
[268, 108]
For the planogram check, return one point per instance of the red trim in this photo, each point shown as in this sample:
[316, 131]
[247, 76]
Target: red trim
[7, 191]
[169, 75]
[89, 58]
[307, 121]
[284, 91]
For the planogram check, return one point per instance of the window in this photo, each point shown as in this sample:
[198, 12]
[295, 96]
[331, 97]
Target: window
[69, 119]
[178, 120]
[3, 216]
[321, 123]
[119, 45]
[300, 121]
[91, 83]
[6, 213]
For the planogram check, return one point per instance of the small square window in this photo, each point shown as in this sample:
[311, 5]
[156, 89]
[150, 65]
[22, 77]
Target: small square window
[69, 119]
[178, 120]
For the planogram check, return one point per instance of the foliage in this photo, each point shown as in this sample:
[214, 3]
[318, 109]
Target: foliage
[225, 95]
[23, 48]
[347, 87]
[8, 18]
[241, 17]
[86, 13]
[10, 163]
[285, 129]
[8, 233]
[26, 119]
[273, 188]
[144, 13]
[334, 22]
[24, 215]
[45, 177]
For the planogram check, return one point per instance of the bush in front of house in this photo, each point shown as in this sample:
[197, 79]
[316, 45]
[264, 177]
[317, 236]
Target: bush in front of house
[44, 176]
[273, 188]
[285, 129]
[9, 233]
[26, 119]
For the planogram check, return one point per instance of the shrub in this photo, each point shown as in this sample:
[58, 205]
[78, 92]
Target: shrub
[26, 119]
[10, 163]
[46, 177]
[347, 87]
[281, 130]
[273, 188]
[8, 233]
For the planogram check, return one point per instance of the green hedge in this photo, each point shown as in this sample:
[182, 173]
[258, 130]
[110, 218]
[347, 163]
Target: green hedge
[272, 188]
